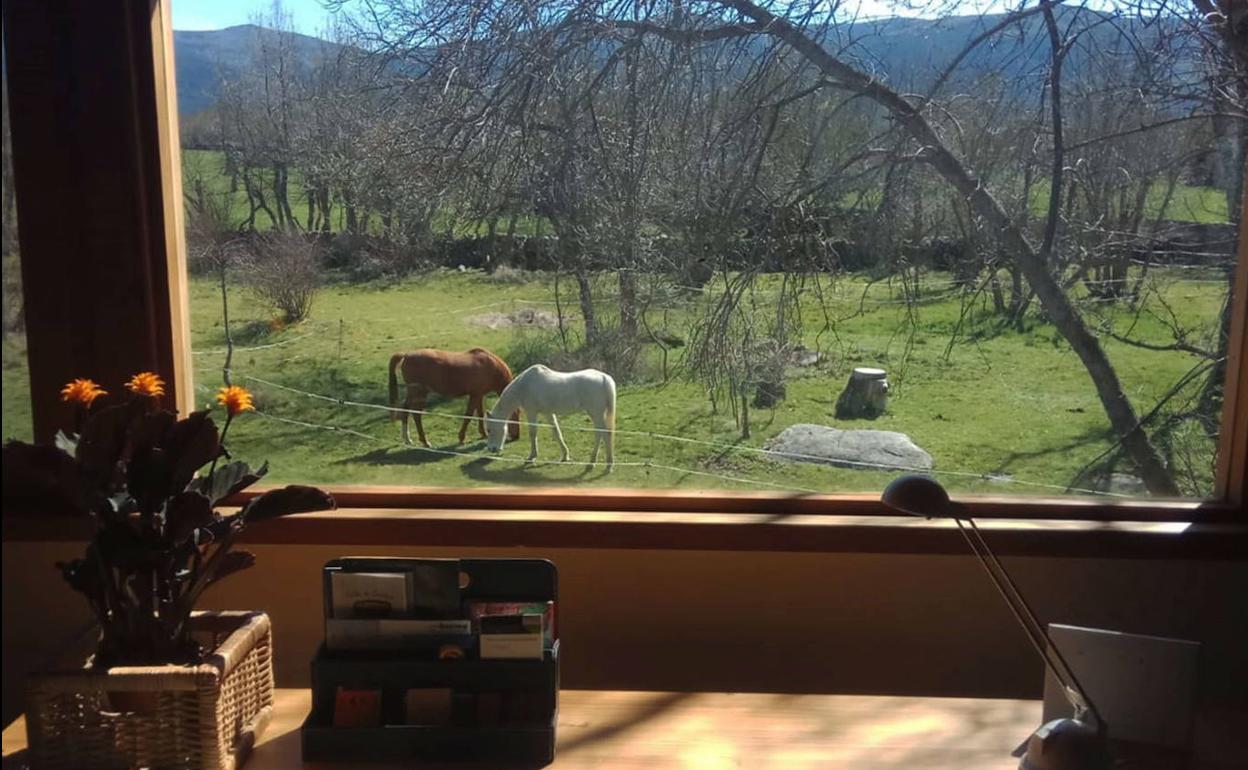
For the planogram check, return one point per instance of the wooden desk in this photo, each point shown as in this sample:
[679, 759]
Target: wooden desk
[654, 730]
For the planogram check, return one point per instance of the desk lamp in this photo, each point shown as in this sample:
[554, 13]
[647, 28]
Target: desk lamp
[1077, 743]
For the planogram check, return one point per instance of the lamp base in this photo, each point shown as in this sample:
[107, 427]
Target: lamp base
[1065, 744]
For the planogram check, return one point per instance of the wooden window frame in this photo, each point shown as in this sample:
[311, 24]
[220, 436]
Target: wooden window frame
[96, 80]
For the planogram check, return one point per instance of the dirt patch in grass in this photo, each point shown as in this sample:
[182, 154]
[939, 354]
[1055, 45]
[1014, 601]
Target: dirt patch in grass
[524, 318]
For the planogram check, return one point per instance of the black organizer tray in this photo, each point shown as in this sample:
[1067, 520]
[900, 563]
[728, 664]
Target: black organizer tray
[528, 743]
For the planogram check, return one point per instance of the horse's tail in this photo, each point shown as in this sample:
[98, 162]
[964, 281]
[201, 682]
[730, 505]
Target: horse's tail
[395, 360]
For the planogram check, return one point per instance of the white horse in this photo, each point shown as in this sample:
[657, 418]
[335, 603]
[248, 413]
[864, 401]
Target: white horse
[540, 390]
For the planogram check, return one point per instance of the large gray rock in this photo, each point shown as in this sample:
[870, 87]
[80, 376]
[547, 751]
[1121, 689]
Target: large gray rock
[1121, 484]
[861, 449]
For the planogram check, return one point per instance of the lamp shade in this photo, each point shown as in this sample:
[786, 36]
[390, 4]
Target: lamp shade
[919, 496]
[1064, 744]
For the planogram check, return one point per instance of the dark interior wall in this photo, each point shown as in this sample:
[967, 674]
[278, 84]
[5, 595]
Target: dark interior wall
[785, 622]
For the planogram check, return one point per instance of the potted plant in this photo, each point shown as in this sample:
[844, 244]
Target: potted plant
[167, 686]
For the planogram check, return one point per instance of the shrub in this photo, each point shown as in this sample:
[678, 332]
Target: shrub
[534, 347]
[611, 352]
[283, 271]
[507, 275]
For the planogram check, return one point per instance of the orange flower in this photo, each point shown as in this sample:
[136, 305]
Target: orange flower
[146, 384]
[82, 391]
[235, 399]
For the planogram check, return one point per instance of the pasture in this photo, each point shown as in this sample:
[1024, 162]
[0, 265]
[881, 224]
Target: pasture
[1000, 411]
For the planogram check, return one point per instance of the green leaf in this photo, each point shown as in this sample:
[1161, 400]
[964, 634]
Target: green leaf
[234, 561]
[149, 430]
[102, 444]
[220, 529]
[83, 575]
[121, 547]
[186, 512]
[42, 480]
[147, 478]
[191, 443]
[287, 500]
[227, 480]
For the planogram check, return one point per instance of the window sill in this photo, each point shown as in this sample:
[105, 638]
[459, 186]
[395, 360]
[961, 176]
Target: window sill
[597, 529]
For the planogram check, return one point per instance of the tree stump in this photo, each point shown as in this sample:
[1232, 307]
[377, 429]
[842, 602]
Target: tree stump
[865, 395]
[768, 393]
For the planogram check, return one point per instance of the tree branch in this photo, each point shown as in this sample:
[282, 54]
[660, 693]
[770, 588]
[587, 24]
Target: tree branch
[1055, 301]
[971, 46]
[711, 34]
[1177, 345]
[1153, 126]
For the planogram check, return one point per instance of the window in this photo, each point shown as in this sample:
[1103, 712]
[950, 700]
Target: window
[16, 410]
[730, 224]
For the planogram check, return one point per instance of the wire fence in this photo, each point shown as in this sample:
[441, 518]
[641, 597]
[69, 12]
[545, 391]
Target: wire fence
[721, 447]
[655, 460]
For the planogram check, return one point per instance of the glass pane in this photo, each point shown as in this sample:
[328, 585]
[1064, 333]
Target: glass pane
[16, 417]
[792, 275]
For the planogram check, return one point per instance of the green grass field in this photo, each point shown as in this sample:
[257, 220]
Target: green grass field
[1001, 411]
[1009, 405]
[1005, 412]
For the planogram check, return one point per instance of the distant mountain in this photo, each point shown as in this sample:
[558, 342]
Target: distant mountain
[908, 53]
[207, 59]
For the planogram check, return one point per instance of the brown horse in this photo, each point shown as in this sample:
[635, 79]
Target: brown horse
[472, 374]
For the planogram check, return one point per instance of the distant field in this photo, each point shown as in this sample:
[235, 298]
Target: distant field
[209, 165]
[1188, 203]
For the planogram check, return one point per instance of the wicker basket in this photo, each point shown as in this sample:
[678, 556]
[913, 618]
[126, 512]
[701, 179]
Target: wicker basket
[205, 716]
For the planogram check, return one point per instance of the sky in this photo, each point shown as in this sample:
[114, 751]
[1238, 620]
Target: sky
[309, 15]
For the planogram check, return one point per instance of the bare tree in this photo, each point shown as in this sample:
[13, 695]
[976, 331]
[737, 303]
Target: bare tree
[283, 270]
[713, 122]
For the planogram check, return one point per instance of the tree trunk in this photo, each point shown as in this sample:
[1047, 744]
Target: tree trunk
[327, 210]
[281, 196]
[628, 304]
[1057, 305]
[587, 307]
[998, 298]
[352, 223]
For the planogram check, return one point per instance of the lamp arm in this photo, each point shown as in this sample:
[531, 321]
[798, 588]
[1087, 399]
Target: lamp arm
[1036, 634]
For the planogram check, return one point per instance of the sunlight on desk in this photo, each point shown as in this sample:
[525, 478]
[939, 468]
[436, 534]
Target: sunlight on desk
[708, 731]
